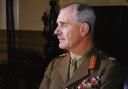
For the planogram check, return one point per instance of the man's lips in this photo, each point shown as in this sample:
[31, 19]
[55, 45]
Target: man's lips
[60, 38]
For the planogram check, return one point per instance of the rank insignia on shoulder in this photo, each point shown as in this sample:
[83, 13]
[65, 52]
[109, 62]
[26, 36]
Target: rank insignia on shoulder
[112, 58]
[62, 55]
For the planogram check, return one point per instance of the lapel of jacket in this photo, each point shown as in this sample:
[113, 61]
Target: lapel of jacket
[81, 72]
[64, 67]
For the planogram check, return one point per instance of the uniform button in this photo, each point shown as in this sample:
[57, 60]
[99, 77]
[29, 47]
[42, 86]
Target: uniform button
[66, 88]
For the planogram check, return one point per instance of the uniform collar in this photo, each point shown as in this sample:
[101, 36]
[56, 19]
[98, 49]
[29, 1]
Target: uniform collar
[79, 58]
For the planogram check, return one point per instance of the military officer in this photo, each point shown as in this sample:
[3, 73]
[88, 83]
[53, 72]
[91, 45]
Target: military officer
[84, 66]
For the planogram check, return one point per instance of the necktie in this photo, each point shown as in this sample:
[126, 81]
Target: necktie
[73, 67]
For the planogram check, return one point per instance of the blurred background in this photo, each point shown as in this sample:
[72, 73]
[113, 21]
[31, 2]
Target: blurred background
[27, 43]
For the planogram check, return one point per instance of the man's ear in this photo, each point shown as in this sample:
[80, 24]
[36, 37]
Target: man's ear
[84, 29]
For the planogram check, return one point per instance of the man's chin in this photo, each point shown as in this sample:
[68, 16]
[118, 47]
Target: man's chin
[61, 46]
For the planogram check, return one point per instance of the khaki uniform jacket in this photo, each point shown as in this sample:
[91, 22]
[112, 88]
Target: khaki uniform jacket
[107, 68]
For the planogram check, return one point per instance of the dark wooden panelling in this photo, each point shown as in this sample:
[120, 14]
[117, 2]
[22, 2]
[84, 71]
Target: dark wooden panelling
[25, 41]
[3, 47]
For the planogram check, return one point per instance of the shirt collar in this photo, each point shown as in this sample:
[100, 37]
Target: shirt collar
[82, 55]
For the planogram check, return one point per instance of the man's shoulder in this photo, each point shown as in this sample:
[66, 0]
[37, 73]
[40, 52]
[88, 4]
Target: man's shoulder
[107, 61]
[61, 57]
[107, 58]
[57, 61]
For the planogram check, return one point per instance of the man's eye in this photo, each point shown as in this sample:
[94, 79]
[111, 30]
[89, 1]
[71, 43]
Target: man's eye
[63, 25]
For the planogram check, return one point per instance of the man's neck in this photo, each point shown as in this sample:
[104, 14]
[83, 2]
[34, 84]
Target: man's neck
[80, 53]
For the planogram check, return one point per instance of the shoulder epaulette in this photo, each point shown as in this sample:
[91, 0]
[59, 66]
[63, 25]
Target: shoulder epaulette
[106, 56]
[103, 55]
[112, 58]
[62, 55]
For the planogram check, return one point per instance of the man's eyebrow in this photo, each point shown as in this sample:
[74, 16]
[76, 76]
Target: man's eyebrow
[61, 22]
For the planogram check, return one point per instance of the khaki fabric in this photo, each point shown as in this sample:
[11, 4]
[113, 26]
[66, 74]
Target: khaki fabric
[107, 67]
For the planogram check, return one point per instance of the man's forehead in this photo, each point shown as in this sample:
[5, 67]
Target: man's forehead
[61, 17]
[66, 13]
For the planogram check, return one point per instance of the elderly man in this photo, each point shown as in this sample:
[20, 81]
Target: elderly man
[84, 66]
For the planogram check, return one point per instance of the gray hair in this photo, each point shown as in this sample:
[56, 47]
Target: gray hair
[84, 13]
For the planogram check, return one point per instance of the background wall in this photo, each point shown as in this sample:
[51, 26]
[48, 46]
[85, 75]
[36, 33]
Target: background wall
[31, 11]
[2, 14]
[97, 2]
[28, 13]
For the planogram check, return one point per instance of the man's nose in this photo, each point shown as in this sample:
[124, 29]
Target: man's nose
[56, 31]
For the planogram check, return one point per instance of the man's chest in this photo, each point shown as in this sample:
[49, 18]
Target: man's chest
[77, 82]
